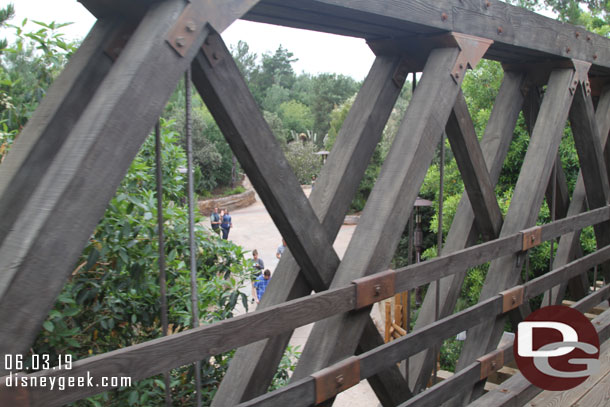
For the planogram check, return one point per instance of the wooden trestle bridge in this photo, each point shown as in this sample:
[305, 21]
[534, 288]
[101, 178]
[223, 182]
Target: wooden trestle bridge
[67, 163]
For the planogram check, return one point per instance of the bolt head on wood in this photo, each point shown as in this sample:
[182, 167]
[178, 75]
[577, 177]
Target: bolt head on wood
[500, 30]
[340, 380]
[180, 41]
[444, 16]
[190, 26]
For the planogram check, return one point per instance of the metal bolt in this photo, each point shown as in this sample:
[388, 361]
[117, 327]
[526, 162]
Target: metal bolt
[444, 16]
[588, 38]
[487, 4]
[461, 66]
[514, 300]
[180, 41]
[533, 238]
[577, 34]
[594, 56]
[215, 55]
[339, 379]
[377, 290]
[568, 50]
[190, 26]
[500, 30]
[575, 82]
[456, 75]
[493, 364]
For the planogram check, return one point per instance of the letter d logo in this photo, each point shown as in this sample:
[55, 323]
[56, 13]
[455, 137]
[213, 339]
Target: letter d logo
[556, 348]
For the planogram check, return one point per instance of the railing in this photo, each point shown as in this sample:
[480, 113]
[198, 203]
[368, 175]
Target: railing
[159, 355]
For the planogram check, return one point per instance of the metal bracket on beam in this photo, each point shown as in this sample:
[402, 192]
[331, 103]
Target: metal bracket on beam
[532, 237]
[416, 50]
[472, 50]
[581, 75]
[512, 298]
[491, 362]
[185, 31]
[374, 288]
[336, 378]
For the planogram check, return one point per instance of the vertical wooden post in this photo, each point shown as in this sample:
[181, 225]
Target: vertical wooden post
[388, 322]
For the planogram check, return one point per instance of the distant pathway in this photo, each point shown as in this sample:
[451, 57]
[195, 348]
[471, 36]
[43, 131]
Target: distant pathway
[252, 229]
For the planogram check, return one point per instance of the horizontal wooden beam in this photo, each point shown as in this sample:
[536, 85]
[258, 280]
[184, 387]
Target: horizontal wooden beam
[199, 343]
[518, 34]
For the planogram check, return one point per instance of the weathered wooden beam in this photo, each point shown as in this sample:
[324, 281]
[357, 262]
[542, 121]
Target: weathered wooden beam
[118, 8]
[463, 233]
[516, 32]
[389, 385]
[569, 244]
[226, 94]
[588, 144]
[253, 366]
[389, 206]
[525, 204]
[471, 163]
[202, 342]
[39, 252]
[32, 154]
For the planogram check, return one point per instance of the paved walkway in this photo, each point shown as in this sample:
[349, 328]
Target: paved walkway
[254, 229]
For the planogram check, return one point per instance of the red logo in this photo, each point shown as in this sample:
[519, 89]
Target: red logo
[556, 348]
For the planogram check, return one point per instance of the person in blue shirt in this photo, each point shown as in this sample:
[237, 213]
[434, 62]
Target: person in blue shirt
[261, 285]
[215, 221]
[226, 224]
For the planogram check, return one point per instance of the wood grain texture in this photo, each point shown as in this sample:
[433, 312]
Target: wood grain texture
[569, 244]
[388, 208]
[32, 154]
[462, 233]
[162, 354]
[228, 98]
[62, 211]
[471, 163]
[252, 368]
[522, 33]
[525, 204]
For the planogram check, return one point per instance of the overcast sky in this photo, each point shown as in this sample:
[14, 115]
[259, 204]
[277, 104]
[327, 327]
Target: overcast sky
[317, 52]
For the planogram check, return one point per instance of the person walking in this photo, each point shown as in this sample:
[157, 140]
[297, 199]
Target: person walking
[280, 249]
[226, 224]
[261, 285]
[215, 221]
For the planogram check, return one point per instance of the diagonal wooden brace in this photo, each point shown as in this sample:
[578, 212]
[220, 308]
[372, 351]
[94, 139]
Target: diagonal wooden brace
[218, 79]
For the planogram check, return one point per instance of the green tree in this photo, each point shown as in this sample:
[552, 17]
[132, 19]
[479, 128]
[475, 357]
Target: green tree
[296, 117]
[275, 69]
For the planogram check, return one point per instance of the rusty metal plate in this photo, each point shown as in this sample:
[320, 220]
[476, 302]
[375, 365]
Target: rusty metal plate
[14, 396]
[512, 298]
[472, 49]
[532, 237]
[336, 378]
[491, 362]
[374, 288]
[186, 30]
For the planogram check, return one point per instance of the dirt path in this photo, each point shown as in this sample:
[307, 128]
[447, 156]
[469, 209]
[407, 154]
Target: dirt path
[254, 229]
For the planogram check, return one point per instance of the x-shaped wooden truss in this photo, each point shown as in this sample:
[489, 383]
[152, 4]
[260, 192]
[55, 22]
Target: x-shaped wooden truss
[70, 158]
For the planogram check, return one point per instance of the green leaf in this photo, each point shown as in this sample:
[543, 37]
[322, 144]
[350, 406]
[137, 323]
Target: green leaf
[48, 325]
